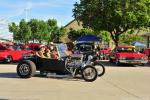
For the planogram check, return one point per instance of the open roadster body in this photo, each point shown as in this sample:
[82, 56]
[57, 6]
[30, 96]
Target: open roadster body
[71, 65]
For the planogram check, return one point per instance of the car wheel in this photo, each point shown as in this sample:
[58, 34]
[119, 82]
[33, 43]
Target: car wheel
[100, 68]
[89, 73]
[8, 59]
[26, 69]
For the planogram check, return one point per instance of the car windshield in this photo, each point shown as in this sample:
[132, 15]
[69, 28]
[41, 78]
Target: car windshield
[61, 49]
[85, 48]
[125, 49]
[12, 47]
[17, 47]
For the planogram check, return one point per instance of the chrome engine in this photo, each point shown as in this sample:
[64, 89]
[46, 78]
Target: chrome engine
[73, 62]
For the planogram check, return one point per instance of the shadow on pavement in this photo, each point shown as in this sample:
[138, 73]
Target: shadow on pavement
[4, 99]
[65, 78]
[8, 75]
[14, 75]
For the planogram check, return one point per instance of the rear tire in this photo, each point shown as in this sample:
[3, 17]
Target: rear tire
[89, 73]
[26, 69]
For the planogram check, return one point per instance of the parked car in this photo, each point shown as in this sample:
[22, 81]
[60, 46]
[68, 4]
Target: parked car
[147, 52]
[127, 54]
[103, 53]
[65, 65]
[12, 52]
[33, 46]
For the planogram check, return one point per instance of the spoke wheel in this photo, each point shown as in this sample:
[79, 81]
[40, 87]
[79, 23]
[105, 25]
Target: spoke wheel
[89, 73]
[26, 69]
[100, 68]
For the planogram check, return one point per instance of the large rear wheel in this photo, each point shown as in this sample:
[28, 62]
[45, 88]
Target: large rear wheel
[89, 73]
[26, 69]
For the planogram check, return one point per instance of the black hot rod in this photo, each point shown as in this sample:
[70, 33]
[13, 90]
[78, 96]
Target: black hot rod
[70, 65]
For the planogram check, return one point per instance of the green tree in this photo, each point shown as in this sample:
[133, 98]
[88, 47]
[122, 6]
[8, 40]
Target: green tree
[105, 36]
[113, 16]
[129, 38]
[42, 32]
[36, 30]
[24, 31]
[55, 32]
[15, 30]
[74, 34]
[33, 23]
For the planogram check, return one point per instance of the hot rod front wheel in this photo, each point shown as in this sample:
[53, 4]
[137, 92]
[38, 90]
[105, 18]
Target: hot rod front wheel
[26, 69]
[100, 68]
[89, 73]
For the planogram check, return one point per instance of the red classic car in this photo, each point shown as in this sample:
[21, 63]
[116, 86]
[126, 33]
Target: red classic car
[127, 54]
[103, 53]
[34, 46]
[12, 52]
[147, 52]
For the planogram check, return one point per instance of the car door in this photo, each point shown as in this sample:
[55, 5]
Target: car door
[16, 53]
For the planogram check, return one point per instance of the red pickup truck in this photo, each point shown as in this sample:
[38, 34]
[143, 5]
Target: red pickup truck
[12, 52]
[127, 54]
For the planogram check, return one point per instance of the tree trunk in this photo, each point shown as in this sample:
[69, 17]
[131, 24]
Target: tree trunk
[116, 39]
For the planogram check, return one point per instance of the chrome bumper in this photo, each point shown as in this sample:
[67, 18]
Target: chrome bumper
[134, 61]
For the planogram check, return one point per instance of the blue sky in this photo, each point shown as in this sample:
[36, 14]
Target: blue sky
[15, 10]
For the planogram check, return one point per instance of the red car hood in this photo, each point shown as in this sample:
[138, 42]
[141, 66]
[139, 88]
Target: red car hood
[127, 54]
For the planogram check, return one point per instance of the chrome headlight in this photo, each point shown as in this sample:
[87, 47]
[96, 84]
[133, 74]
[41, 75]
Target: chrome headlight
[90, 57]
[145, 58]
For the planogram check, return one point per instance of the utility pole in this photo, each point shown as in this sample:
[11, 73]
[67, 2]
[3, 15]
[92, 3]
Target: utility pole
[28, 7]
[26, 12]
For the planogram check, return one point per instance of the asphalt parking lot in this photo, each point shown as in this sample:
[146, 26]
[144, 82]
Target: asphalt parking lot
[118, 83]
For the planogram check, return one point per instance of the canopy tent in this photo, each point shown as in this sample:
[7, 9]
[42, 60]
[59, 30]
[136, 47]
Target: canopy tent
[138, 44]
[91, 38]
